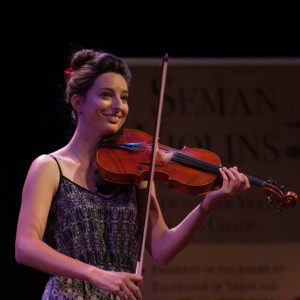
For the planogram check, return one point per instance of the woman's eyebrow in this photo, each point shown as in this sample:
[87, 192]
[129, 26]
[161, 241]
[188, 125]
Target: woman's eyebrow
[111, 89]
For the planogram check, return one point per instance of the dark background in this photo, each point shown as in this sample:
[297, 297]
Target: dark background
[38, 39]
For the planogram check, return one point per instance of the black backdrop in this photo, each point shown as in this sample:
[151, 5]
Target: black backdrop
[37, 40]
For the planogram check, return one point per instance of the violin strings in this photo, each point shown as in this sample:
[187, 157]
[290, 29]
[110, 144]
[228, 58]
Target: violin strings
[203, 165]
[256, 181]
[194, 162]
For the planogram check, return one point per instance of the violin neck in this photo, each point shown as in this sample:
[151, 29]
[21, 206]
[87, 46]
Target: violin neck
[208, 167]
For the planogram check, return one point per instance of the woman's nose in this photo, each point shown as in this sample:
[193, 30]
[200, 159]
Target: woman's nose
[116, 103]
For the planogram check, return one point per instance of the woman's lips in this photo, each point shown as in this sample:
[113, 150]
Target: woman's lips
[112, 118]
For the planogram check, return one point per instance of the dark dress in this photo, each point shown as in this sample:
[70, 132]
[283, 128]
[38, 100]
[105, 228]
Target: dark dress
[101, 231]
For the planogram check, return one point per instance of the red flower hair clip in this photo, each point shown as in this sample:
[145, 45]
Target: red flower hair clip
[68, 73]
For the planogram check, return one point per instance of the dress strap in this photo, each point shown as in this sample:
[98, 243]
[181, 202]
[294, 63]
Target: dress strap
[60, 172]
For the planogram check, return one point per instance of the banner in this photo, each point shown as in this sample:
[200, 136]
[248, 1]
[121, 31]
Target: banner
[246, 112]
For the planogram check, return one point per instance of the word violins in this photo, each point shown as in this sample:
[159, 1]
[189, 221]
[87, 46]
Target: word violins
[190, 170]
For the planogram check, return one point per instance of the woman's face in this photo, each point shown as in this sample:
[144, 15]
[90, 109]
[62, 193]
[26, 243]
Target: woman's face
[105, 106]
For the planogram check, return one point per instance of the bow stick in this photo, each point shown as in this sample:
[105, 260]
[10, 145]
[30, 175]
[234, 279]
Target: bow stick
[140, 259]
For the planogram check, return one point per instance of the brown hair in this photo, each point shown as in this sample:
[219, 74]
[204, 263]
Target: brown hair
[88, 65]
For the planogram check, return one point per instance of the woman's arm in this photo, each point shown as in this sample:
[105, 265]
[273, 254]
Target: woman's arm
[39, 188]
[163, 243]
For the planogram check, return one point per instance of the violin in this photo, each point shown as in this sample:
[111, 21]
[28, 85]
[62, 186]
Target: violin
[190, 170]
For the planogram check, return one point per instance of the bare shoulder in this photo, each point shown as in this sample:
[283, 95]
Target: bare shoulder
[44, 163]
[40, 186]
[43, 171]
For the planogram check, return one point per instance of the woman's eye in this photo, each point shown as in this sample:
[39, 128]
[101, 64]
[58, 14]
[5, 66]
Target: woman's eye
[125, 98]
[105, 95]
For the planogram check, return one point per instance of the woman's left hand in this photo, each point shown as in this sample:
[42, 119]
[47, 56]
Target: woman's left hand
[234, 183]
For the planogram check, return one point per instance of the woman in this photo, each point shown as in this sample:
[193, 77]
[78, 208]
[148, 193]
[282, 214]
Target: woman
[88, 239]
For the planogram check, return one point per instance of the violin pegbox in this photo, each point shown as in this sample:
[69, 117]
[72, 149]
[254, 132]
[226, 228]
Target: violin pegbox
[275, 194]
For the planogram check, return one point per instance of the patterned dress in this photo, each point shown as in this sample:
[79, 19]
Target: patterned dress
[101, 231]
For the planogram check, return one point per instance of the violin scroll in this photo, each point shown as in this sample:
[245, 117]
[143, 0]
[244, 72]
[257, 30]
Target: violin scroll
[283, 200]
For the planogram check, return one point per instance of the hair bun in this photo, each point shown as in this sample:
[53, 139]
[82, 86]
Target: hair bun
[81, 57]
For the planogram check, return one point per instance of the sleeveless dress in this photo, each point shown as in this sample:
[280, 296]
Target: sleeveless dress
[101, 231]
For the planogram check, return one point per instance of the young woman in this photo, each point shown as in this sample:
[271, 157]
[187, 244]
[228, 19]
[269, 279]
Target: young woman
[86, 237]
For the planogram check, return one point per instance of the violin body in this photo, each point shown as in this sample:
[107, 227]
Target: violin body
[131, 165]
[190, 170]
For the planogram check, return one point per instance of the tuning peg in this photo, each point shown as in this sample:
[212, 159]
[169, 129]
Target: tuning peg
[282, 188]
[269, 200]
[279, 207]
[272, 181]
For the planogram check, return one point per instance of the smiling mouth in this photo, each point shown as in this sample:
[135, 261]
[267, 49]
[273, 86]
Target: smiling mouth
[112, 118]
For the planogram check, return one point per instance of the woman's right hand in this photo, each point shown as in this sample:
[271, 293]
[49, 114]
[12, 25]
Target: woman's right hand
[118, 283]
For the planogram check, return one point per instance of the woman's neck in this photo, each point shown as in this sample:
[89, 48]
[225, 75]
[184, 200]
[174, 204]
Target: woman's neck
[83, 148]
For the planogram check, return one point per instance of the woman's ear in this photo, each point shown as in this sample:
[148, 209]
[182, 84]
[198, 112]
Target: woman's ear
[76, 102]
